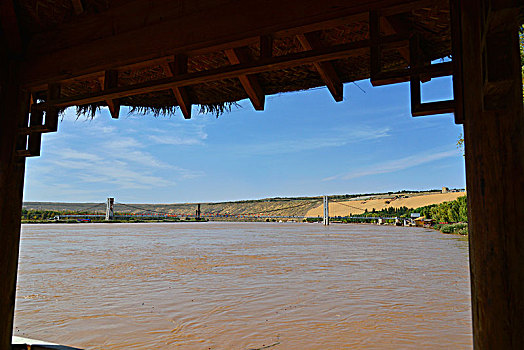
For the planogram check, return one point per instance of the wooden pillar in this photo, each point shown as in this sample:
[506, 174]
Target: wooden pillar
[489, 90]
[13, 111]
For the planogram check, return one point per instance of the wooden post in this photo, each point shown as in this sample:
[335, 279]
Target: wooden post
[490, 90]
[14, 106]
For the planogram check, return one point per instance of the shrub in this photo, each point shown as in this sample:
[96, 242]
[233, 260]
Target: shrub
[459, 228]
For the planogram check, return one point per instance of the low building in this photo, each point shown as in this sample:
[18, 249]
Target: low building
[423, 222]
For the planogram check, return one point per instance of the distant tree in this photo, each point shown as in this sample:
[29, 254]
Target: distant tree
[460, 144]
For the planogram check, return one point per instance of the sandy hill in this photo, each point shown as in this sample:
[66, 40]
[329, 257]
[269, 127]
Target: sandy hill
[304, 206]
[359, 205]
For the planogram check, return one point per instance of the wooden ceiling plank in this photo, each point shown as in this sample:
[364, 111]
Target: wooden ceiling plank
[83, 52]
[331, 53]
[311, 41]
[179, 67]
[249, 82]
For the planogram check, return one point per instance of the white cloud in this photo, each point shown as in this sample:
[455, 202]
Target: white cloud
[176, 140]
[111, 158]
[335, 138]
[176, 135]
[395, 165]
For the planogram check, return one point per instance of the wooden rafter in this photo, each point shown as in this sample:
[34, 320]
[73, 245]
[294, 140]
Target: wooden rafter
[234, 71]
[391, 25]
[249, 82]
[94, 43]
[395, 25]
[176, 68]
[107, 82]
[311, 41]
[77, 6]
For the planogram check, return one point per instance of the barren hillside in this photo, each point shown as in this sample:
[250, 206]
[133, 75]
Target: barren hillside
[311, 206]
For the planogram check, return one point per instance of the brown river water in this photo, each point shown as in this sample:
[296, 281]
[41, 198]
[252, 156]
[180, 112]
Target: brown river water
[243, 286]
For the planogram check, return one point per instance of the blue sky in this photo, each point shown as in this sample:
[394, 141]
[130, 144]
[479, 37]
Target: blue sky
[303, 144]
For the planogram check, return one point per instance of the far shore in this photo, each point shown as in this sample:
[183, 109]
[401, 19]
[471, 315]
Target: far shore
[71, 222]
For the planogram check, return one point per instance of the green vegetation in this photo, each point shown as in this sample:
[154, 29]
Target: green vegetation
[310, 220]
[450, 217]
[35, 216]
[39, 215]
[454, 211]
[460, 228]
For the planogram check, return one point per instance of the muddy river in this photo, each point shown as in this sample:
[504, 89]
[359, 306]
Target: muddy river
[243, 286]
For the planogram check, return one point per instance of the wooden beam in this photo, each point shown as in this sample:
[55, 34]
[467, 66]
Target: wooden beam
[432, 108]
[13, 113]
[9, 23]
[402, 75]
[110, 81]
[417, 69]
[77, 6]
[376, 51]
[416, 59]
[176, 68]
[228, 72]
[494, 146]
[311, 41]
[125, 35]
[51, 115]
[249, 82]
[35, 139]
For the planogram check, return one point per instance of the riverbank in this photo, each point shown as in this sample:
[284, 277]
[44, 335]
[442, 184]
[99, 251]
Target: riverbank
[459, 228]
[453, 228]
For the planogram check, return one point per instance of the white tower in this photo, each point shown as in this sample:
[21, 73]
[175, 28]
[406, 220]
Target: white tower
[326, 210]
[109, 209]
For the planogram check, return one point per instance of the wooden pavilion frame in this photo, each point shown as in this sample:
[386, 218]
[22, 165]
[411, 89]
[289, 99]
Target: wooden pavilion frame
[99, 45]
